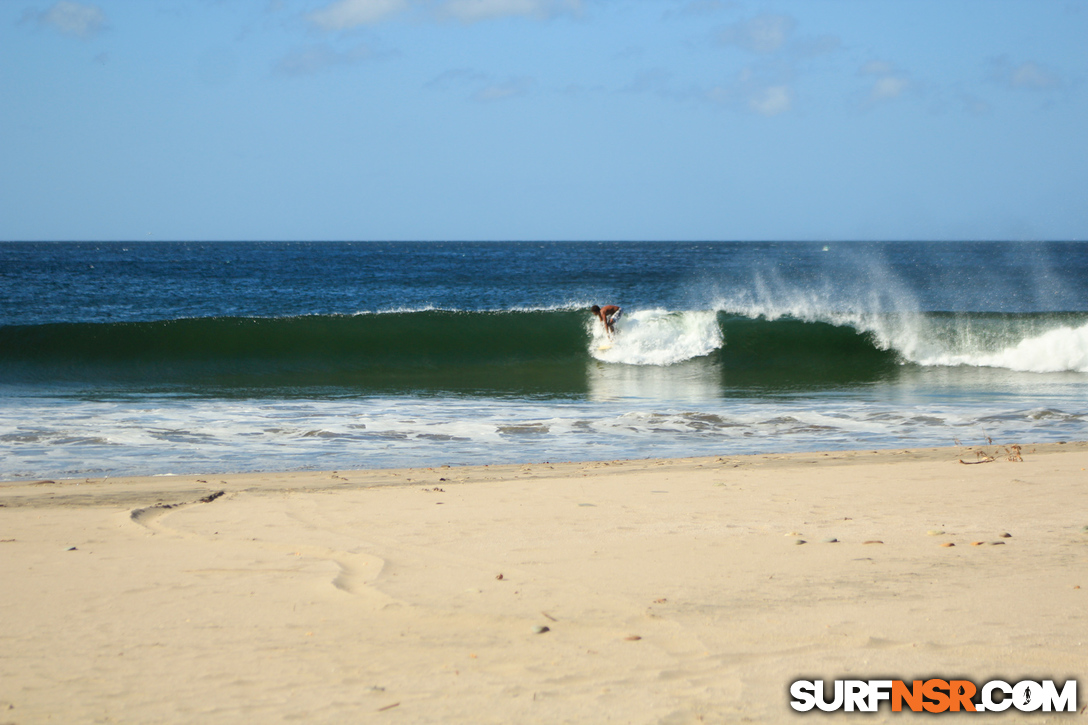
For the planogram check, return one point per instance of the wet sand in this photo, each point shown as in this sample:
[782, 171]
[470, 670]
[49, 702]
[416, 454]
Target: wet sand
[652, 591]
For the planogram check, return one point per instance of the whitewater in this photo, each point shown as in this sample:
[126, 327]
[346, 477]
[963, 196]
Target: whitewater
[663, 337]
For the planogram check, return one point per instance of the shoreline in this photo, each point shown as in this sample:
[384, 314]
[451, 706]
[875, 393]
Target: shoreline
[656, 590]
[320, 479]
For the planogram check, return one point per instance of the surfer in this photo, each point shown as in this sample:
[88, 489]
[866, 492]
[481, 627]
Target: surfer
[609, 315]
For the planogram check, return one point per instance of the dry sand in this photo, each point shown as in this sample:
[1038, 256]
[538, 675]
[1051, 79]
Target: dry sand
[674, 591]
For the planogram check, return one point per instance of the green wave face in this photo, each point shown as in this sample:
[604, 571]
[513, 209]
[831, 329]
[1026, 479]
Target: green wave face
[410, 337]
[409, 351]
[545, 352]
[788, 353]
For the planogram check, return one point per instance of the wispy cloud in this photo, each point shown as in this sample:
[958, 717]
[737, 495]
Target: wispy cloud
[974, 105]
[764, 86]
[650, 80]
[756, 90]
[456, 77]
[663, 83]
[699, 8]
[1033, 76]
[772, 100]
[82, 20]
[316, 58]
[481, 87]
[761, 34]
[807, 47]
[887, 81]
[471, 11]
[501, 90]
[767, 85]
[773, 35]
[876, 67]
[1027, 76]
[349, 14]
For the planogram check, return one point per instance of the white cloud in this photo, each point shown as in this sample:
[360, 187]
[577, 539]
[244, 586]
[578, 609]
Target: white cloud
[890, 82]
[1033, 76]
[470, 11]
[772, 101]
[888, 87]
[72, 18]
[348, 14]
[755, 90]
[768, 85]
[761, 34]
[1029, 76]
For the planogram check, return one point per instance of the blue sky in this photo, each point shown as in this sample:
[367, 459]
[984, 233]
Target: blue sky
[543, 119]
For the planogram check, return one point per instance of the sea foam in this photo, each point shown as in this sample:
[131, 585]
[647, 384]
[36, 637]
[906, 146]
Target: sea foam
[1063, 349]
[657, 337]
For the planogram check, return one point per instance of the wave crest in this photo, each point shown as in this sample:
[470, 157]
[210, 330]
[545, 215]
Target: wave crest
[1062, 349]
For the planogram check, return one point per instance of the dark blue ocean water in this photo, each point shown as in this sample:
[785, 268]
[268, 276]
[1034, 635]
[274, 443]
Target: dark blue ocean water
[96, 282]
[129, 358]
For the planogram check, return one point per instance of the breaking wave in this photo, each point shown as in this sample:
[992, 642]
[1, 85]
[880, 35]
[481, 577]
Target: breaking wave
[545, 350]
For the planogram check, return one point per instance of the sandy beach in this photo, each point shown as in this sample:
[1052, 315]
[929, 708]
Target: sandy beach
[649, 591]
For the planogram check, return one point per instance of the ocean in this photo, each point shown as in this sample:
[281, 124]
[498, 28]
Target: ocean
[139, 358]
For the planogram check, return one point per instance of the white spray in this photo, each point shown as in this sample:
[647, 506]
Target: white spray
[875, 302]
[657, 337]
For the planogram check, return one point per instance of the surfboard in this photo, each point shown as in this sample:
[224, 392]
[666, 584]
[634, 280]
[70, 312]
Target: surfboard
[607, 346]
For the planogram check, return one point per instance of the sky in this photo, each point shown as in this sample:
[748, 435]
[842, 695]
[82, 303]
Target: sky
[543, 120]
